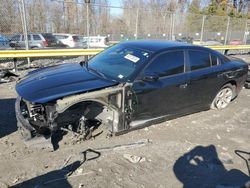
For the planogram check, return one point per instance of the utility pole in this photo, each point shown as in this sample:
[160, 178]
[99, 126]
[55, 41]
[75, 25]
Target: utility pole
[228, 24]
[136, 23]
[202, 28]
[25, 29]
[87, 3]
[137, 20]
[171, 27]
[64, 22]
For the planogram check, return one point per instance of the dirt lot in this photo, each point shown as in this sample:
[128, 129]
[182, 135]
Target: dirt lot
[192, 151]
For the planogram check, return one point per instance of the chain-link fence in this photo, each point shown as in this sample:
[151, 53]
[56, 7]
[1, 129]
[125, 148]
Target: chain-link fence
[99, 18]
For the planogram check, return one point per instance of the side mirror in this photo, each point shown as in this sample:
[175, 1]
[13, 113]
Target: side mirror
[150, 77]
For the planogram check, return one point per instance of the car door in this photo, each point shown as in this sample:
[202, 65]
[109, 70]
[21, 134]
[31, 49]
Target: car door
[161, 87]
[37, 41]
[22, 43]
[204, 73]
[14, 42]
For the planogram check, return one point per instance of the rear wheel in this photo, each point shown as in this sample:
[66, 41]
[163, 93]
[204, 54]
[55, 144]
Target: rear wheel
[223, 97]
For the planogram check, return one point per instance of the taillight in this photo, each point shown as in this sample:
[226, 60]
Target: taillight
[45, 43]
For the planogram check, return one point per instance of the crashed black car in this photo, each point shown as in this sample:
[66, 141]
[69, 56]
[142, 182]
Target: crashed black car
[128, 86]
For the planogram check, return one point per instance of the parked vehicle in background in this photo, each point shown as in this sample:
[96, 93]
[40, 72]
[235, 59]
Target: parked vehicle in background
[248, 41]
[197, 42]
[185, 40]
[212, 43]
[130, 85]
[235, 42]
[71, 41]
[4, 42]
[36, 40]
[97, 41]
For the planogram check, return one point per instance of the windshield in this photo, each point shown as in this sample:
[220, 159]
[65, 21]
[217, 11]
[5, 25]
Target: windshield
[119, 62]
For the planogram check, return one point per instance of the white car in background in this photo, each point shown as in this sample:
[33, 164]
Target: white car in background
[71, 40]
[97, 41]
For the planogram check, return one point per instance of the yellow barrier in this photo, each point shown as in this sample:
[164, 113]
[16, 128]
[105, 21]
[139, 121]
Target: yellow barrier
[230, 47]
[47, 53]
[85, 52]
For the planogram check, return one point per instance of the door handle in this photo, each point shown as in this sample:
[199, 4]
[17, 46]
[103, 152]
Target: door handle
[183, 86]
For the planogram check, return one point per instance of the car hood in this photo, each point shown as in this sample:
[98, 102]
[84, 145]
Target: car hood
[47, 84]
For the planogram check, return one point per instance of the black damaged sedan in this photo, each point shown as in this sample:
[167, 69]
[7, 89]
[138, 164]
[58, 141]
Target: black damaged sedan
[128, 86]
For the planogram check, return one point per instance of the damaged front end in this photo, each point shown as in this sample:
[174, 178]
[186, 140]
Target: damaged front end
[109, 108]
[34, 119]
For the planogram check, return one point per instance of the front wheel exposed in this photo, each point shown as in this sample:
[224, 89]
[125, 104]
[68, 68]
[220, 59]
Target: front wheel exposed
[223, 97]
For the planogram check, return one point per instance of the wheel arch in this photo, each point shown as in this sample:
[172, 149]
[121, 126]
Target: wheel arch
[234, 84]
[101, 110]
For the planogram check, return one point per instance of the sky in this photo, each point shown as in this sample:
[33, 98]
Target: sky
[117, 3]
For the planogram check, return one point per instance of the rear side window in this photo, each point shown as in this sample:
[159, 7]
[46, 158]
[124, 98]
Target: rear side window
[166, 64]
[199, 59]
[36, 37]
[215, 60]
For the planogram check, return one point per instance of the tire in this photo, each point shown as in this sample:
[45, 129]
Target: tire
[24, 133]
[223, 97]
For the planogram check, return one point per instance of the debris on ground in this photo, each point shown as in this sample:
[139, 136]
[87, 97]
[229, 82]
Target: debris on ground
[134, 158]
[66, 162]
[7, 76]
[139, 143]
[79, 171]
[15, 180]
[81, 185]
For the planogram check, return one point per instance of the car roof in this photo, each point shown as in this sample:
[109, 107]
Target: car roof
[158, 45]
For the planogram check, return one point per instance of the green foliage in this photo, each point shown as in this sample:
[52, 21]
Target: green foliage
[216, 12]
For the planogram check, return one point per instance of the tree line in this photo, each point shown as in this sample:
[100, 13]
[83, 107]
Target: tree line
[134, 17]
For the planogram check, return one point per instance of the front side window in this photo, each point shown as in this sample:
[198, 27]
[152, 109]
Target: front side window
[16, 38]
[198, 59]
[119, 62]
[167, 64]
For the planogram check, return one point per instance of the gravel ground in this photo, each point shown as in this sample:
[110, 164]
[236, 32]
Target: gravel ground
[197, 150]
